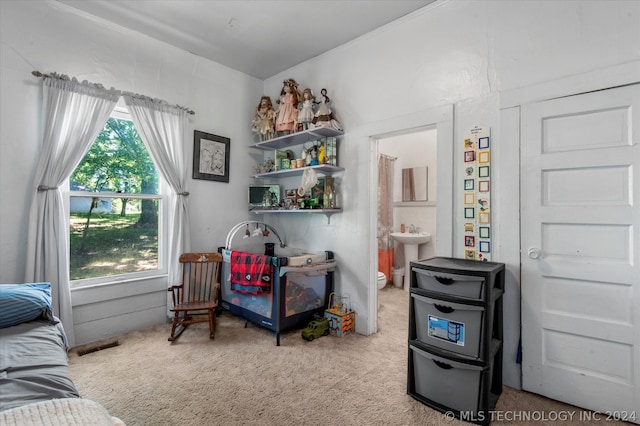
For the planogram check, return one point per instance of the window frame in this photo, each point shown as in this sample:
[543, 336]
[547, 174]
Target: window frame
[121, 113]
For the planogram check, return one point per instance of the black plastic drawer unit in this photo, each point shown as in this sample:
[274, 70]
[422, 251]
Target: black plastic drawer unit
[449, 284]
[454, 384]
[456, 327]
[455, 336]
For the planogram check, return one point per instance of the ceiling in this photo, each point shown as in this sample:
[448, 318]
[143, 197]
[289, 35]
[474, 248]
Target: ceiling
[257, 37]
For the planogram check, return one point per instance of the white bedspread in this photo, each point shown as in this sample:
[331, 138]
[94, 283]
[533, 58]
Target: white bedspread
[60, 412]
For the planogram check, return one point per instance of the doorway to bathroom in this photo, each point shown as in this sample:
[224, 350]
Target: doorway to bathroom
[407, 176]
[436, 123]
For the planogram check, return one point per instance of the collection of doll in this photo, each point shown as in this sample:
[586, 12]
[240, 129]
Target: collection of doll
[296, 111]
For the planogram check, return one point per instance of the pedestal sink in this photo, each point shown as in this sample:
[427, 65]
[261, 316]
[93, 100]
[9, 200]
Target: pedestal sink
[410, 241]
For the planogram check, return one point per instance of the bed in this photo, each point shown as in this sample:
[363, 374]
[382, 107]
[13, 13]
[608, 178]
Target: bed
[35, 387]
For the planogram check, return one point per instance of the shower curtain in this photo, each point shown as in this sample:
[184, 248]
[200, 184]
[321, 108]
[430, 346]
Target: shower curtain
[385, 214]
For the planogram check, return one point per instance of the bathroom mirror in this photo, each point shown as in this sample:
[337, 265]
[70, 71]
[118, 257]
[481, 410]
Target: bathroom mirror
[414, 184]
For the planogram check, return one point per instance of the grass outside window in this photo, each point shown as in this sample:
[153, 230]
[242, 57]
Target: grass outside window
[113, 244]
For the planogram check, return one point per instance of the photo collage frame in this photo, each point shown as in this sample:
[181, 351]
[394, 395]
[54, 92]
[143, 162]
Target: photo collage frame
[477, 194]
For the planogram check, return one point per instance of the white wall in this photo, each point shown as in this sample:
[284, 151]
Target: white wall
[464, 53]
[49, 37]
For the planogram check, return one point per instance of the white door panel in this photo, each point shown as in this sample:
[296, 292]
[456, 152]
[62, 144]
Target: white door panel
[580, 239]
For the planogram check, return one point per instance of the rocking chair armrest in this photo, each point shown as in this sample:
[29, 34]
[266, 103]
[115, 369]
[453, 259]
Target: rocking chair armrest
[175, 291]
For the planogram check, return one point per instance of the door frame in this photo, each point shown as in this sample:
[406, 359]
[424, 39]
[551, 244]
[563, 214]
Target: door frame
[440, 118]
[509, 189]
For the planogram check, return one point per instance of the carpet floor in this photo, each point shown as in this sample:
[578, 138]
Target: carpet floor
[242, 378]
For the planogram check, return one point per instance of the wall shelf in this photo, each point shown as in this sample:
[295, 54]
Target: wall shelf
[326, 212]
[325, 169]
[298, 138]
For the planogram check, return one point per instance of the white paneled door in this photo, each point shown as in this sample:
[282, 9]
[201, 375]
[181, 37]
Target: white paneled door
[580, 250]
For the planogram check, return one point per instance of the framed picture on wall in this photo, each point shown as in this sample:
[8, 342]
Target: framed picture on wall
[484, 232]
[210, 156]
[484, 218]
[469, 184]
[483, 143]
[469, 198]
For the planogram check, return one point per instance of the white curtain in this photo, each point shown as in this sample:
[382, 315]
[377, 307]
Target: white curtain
[162, 128]
[74, 113]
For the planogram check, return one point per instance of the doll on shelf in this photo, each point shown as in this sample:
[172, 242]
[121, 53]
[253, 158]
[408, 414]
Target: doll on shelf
[287, 113]
[264, 121]
[324, 116]
[305, 115]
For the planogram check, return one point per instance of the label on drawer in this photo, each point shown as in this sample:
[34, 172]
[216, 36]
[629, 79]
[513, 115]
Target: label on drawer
[447, 330]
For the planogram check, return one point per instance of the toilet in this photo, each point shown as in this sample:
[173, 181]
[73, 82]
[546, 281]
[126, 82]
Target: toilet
[382, 280]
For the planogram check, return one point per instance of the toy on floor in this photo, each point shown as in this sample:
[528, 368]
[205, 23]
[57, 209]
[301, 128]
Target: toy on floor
[342, 319]
[316, 328]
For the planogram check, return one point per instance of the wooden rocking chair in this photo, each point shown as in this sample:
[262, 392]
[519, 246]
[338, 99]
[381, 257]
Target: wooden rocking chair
[196, 298]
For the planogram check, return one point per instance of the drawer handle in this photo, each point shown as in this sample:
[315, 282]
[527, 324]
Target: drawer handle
[445, 281]
[442, 365]
[445, 309]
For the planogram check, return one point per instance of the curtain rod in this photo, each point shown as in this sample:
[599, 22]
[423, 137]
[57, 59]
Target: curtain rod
[41, 75]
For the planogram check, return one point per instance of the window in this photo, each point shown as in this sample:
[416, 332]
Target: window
[115, 209]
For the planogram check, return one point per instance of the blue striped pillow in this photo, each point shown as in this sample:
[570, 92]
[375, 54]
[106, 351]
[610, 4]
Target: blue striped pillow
[24, 302]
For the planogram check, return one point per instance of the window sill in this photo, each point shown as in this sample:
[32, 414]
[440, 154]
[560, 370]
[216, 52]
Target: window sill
[100, 292]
